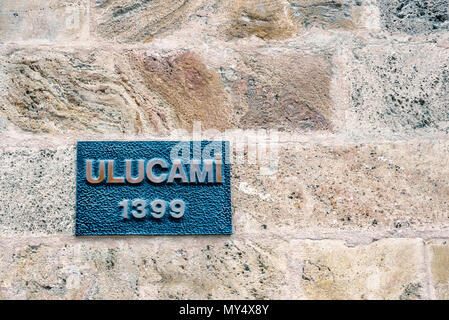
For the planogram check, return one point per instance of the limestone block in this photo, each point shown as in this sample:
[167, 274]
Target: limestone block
[44, 21]
[143, 268]
[111, 91]
[439, 267]
[37, 190]
[398, 90]
[391, 187]
[385, 269]
[141, 91]
[139, 21]
[414, 17]
[288, 91]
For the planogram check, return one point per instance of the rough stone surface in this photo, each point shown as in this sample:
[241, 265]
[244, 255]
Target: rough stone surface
[398, 89]
[281, 91]
[385, 269]
[439, 262]
[193, 90]
[102, 91]
[47, 21]
[37, 188]
[414, 17]
[143, 21]
[146, 91]
[339, 14]
[53, 92]
[393, 187]
[264, 19]
[356, 91]
[210, 268]
[150, 268]
[139, 21]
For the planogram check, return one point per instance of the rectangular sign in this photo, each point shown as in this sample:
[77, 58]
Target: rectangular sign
[153, 188]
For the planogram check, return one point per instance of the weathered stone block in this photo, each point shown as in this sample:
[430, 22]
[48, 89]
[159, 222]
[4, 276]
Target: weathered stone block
[143, 21]
[139, 21]
[389, 188]
[188, 86]
[282, 19]
[156, 268]
[285, 91]
[385, 269]
[265, 19]
[397, 188]
[107, 91]
[147, 91]
[398, 89]
[37, 188]
[43, 20]
[414, 17]
[439, 266]
[51, 91]
[339, 14]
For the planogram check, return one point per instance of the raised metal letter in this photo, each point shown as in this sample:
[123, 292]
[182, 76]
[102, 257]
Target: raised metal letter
[141, 174]
[111, 178]
[101, 173]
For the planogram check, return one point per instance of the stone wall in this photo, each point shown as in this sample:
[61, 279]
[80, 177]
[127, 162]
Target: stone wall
[358, 92]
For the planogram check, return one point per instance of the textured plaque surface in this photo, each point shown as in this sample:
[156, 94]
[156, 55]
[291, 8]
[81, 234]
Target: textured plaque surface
[151, 195]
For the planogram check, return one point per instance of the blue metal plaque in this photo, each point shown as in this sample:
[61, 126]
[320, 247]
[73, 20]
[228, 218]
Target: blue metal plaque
[153, 188]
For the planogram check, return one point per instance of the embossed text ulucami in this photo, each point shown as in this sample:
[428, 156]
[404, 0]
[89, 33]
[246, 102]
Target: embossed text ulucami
[153, 187]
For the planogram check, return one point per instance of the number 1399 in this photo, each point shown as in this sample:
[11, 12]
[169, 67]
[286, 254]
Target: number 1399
[158, 208]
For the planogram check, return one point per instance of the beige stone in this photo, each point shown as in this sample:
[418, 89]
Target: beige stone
[193, 90]
[397, 90]
[128, 21]
[393, 188]
[281, 90]
[355, 207]
[111, 91]
[144, 268]
[283, 19]
[439, 266]
[37, 188]
[389, 187]
[139, 21]
[385, 269]
[263, 18]
[339, 15]
[45, 21]
[151, 91]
